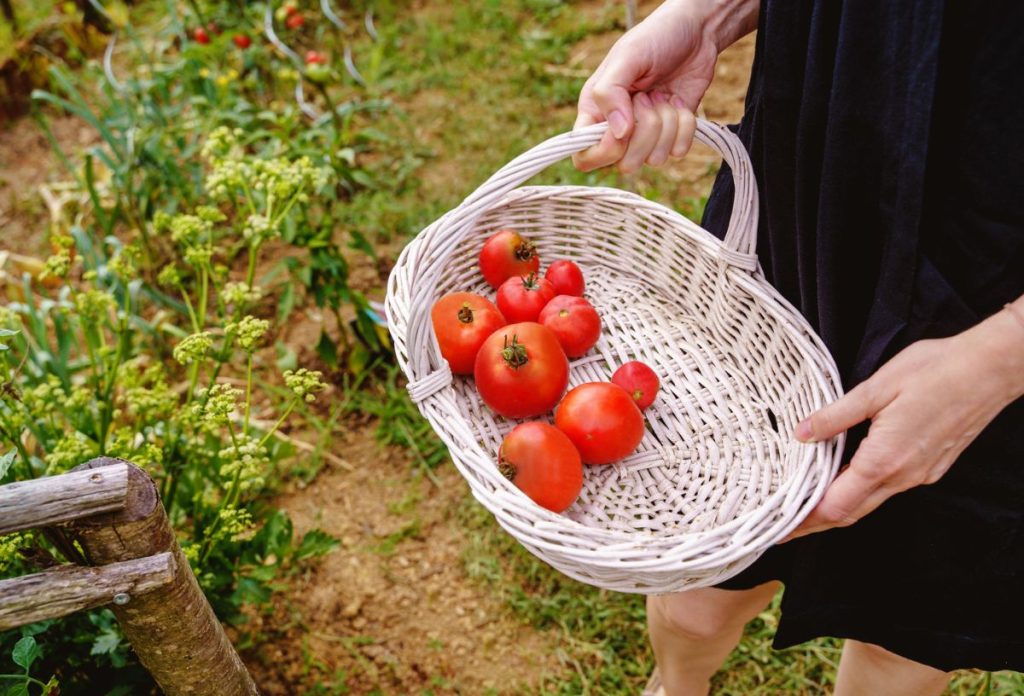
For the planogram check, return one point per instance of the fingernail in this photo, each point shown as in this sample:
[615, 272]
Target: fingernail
[642, 99]
[660, 98]
[619, 124]
[804, 432]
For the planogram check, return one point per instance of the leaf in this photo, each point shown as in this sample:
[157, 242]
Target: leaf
[315, 542]
[327, 350]
[17, 690]
[106, 643]
[6, 462]
[7, 332]
[25, 652]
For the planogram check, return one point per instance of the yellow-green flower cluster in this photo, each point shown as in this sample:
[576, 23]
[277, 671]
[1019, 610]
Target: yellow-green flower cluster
[240, 294]
[69, 452]
[257, 228]
[193, 348]
[57, 266]
[93, 304]
[249, 332]
[304, 383]
[8, 318]
[125, 263]
[245, 463]
[10, 549]
[215, 405]
[45, 398]
[283, 179]
[151, 403]
[234, 524]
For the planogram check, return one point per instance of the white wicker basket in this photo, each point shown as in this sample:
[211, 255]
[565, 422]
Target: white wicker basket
[718, 477]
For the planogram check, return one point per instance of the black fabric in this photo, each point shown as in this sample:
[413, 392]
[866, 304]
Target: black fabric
[888, 142]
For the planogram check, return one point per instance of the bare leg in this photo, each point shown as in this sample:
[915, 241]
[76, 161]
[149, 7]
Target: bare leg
[693, 632]
[868, 670]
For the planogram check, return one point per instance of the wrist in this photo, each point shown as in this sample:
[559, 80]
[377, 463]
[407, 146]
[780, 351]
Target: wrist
[727, 21]
[998, 343]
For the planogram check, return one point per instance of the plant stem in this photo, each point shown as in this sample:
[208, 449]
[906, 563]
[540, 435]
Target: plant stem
[248, 394]
[280, 420]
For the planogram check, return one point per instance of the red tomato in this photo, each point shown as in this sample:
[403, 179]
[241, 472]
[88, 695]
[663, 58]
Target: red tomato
[543, 463]
[639, 380]
[601, 420]
[575, 323]
[200, 35]
[523, 298]
[521, 371]
[462, 322]
[313, 57]
[566, 277]
[506, 254]
[295, 20]
[242, 41]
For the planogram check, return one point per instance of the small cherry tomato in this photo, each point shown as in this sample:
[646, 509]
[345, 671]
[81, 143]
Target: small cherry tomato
[200, 36]
[566, 277]
[574, 321]
[506, 254]
[601, 420]
[543, 463]
[314, 57]
[521, 371]
[523, 298]
[295, 20]
[462, 322]
[639, 380]
[242, 41]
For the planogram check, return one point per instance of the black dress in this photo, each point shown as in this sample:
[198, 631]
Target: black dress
[888, 141]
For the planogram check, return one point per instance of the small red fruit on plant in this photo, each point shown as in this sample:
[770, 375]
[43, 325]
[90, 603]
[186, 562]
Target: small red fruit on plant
[507, 254]
[295, 20]
[566, 277]
[575, 323]
[543, 463]
[639, 380]
[462, 322]
[602, 421]
[523, 298]
[200, 36]
[314, 57]
[521, 371]
[213, 28]
[242, 41]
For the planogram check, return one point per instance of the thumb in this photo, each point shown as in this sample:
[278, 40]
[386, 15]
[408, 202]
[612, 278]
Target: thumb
[842, 414]
[611, 95]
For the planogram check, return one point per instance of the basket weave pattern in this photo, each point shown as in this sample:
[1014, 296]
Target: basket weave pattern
[718, 477]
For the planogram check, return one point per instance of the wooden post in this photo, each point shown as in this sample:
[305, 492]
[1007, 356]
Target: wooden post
[172, 629]
[50, 500]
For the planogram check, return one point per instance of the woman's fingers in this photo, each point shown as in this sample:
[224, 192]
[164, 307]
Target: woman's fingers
[663, 128]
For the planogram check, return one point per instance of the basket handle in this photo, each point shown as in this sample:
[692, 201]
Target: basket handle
[740, 237]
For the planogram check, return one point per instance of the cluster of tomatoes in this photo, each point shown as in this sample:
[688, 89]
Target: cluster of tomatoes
[288, 13]
[518, 348]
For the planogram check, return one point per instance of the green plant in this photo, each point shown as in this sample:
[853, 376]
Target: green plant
[24, 654]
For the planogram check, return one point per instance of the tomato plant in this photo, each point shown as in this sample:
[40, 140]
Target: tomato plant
[313, 57]
[462, 322]
[506, 254]
[566, 277]
[295, 20]
[521, 371]
[242, 41]
[523, 298]
[543, 463]
[639, 380]
[200, 36]
[602, 421]
[575, 323]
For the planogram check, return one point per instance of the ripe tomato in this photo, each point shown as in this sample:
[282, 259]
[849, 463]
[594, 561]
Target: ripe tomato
[506, 254]
[295, 20]
[575, 323]
[462, 322]
[566, 277]
[200, 36]
[521, 371]
[543, 463]
[242, 41]
[523, 298]
[601, 420]
[313, 57]
[639, 380]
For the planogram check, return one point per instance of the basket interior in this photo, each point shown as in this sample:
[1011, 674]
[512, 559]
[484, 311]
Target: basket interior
[733, 382]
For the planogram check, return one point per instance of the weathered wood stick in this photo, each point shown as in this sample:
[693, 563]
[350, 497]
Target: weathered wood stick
[172, 629]
[69, 588]
[51, 500]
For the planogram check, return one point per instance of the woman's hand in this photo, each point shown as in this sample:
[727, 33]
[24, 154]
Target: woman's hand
[926, 405]
[649, 84]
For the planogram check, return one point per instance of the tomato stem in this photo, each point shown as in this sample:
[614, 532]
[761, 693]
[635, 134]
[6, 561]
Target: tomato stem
[525, 250]
[530, 281]
[507, 469]
[514, 353]
[466, 313]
